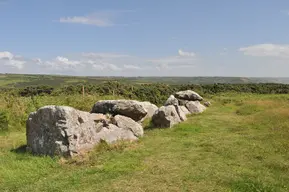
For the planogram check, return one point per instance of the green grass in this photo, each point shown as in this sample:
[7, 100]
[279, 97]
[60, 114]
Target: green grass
[239, 144]
[11, 82]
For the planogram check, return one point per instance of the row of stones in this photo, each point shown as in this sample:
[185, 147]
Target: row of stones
[65, 131]
[177, 107]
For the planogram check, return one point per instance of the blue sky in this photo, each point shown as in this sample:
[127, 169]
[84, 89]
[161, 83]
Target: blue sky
[145, 38]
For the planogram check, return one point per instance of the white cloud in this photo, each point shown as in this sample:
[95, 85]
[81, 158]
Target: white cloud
[6, 55]
[186, 54]
[117, 64]
[110, 61]
[99, 19]
[98, 67]
[91, 62]
[266, 50]
[37, 61]
[105, 66]
[61, 63]
[16, 63]
[97, 64]
[104, 55]
[7, 58]
[87, 20]
[65, 61]
[162, 66]
[174, 60]
[113, 67]
[132, 67]
[183, 60]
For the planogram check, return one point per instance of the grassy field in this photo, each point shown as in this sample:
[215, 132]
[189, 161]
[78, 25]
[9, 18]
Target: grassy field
[241, 143]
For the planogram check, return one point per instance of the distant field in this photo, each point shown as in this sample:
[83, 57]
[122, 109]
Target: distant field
[19, 81]
[240, 144]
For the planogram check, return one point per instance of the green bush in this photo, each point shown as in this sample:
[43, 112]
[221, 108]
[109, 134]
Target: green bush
[3, 121]
[156, 93]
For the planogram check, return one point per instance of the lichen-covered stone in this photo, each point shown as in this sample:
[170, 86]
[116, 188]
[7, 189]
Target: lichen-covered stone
[65, 131]
[166, 117]
[60, 130]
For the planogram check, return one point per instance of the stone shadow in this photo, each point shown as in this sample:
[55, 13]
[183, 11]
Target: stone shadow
[20, 150]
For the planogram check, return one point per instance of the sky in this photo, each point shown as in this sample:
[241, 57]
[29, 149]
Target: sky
[248, 38]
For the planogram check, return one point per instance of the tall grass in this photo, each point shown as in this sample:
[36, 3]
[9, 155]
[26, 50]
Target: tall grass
[14, 110]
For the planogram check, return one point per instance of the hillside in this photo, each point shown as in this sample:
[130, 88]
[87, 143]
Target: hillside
[17, 80]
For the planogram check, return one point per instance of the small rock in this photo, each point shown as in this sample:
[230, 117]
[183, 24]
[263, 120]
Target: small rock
[171, 101]
[207, 104]
[195, 107]
[128, 124]
[112, 134]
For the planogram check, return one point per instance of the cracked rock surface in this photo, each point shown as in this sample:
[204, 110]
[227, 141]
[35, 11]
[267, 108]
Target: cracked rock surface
[65, 131]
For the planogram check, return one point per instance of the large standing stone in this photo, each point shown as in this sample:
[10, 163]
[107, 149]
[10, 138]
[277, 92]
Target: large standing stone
[57, 130]
[128, 124]
[195, 107]
[166, 116]
[188, 95]
[65, 131]
[150, 108]
[129, 108]
[171, 101]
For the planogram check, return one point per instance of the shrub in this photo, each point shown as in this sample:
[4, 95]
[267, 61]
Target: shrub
[3, 121]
